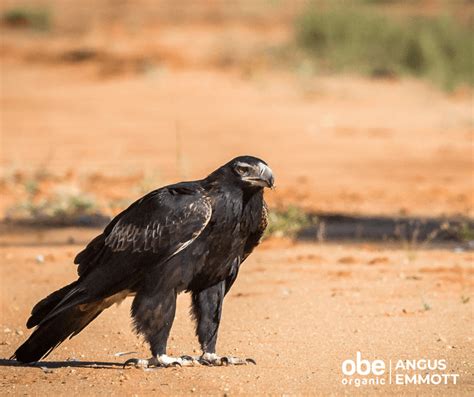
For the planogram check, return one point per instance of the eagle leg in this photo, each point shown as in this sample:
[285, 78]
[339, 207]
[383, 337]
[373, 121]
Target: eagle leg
[153, 314]
[207, 309]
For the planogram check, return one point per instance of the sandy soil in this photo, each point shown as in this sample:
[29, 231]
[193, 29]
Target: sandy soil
[299, 310]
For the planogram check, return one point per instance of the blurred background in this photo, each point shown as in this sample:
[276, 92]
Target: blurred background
[361, 107]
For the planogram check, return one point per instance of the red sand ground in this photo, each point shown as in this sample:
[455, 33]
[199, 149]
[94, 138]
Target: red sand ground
[299, 310]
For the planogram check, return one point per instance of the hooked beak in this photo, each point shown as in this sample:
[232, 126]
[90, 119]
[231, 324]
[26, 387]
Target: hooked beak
[265, 178]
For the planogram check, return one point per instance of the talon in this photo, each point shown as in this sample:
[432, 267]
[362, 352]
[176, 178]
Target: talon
[189, 361]
[136, 362]
[215, 360]
[129, 361]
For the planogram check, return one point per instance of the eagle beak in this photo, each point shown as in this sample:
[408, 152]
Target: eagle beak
[266, 176]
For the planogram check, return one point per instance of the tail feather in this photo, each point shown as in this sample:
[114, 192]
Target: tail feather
[46, 305]
[54, 331]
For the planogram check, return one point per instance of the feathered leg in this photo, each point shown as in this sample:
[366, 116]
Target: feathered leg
[207, 309]
[153, 315]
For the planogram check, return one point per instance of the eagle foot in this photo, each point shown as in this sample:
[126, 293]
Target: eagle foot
[162, 361]
[212, 359]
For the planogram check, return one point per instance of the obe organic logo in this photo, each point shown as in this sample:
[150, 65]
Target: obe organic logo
[362, 367]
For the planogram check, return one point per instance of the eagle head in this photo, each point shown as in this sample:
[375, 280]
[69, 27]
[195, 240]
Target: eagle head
[251, 171]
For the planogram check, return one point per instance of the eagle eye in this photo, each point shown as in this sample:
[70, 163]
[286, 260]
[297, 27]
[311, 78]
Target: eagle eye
[242, 169]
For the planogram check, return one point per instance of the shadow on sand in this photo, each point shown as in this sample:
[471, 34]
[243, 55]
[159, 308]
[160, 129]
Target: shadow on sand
[50, 365]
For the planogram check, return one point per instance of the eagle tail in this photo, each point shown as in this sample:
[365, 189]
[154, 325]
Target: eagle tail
[46, 305]
[52, 332]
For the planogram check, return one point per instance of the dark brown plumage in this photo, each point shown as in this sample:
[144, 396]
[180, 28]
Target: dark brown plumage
[191, 236]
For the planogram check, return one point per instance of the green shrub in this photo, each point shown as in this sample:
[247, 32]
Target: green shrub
[287, 222]
[466, 232]
[36, 19]
[360, 39]
[59, 206]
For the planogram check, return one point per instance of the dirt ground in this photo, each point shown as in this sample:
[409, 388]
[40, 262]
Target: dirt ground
[299, 310]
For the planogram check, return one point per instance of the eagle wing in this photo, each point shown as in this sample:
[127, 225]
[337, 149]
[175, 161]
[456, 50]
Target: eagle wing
[158, 226]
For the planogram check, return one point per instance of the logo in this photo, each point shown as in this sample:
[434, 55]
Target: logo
[364, 372]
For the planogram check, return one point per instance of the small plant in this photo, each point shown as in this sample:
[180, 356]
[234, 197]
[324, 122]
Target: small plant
[36, 19]
[31, 187]
[61, 206]
[287, 222]
[68, 205]
[411, 240]
[466, 232]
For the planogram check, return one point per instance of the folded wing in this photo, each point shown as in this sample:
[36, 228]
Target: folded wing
[157, 227]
